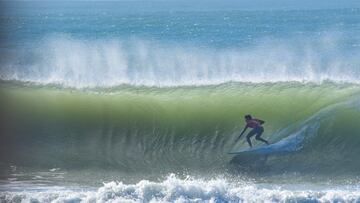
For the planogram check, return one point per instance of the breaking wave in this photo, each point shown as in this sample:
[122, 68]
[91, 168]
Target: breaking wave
[76, 62]
[150, 129]
[174, 189]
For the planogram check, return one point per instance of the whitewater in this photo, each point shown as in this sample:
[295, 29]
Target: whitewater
[127, 102]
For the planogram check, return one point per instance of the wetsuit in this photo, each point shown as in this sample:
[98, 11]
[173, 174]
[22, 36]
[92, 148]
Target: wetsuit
[257, 130]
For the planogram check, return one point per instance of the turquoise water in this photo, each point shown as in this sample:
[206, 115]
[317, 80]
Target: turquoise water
[119, 102]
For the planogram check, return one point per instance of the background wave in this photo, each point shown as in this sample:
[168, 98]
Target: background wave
[77, 62]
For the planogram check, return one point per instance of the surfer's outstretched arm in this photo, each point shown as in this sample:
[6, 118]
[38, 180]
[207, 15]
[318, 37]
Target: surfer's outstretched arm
[245, 128]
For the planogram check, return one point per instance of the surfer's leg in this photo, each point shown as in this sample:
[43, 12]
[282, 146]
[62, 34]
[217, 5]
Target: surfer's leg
[248, 136]
[258, 136]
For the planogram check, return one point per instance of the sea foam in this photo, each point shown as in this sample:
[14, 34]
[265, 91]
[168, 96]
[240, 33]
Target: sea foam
[174, 189]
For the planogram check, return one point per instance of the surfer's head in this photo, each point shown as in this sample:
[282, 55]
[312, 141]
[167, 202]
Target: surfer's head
[248, 117]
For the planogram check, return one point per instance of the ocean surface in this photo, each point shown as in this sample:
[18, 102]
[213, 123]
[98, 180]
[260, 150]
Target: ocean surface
[141, 102]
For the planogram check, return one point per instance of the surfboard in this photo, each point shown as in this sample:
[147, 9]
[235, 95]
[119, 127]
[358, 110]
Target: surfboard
[287, 145]
[290, 144]
[256, 150]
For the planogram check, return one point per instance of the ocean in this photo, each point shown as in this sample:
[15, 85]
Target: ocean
[143, 101]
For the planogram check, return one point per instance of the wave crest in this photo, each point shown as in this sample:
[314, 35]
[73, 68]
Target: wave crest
[80, 63]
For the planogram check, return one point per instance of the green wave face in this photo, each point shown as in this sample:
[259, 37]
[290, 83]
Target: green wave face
[137, 129]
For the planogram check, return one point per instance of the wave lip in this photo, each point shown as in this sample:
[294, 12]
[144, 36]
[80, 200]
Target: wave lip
[174, 189]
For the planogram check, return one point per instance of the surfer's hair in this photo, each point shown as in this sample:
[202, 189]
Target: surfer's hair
[248, 116]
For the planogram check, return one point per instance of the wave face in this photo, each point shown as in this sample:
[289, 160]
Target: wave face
[145, 130]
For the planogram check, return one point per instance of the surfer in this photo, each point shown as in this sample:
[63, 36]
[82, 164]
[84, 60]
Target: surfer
[257, 129]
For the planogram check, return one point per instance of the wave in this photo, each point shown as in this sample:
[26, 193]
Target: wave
[75, 62]
[174, 189]
[147, 129]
